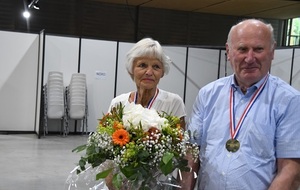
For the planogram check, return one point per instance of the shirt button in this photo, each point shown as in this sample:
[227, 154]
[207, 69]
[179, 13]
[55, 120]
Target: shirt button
[223, 173]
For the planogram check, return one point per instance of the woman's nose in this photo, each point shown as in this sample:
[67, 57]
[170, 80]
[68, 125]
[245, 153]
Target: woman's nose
[149, 71]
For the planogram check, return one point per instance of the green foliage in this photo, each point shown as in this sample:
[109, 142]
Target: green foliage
[166, 164]
[103, 174]
[117, 181]
[79, 148]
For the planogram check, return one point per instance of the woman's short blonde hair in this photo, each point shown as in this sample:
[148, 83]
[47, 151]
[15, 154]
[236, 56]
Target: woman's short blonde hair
[147, 47]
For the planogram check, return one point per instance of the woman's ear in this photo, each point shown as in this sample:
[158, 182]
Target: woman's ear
[131, 75]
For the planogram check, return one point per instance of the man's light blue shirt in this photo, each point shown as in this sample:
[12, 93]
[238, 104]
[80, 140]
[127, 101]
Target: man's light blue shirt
[270, 130]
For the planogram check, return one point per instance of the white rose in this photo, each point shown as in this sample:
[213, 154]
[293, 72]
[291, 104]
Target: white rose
[135, 113]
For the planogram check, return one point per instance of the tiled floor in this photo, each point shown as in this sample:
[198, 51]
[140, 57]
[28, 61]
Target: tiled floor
[29, 163]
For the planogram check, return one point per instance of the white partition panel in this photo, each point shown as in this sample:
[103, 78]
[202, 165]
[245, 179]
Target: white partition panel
[281, 65]
[61, 54]
[98, 62]
[124, 82]
[202, 68]
[296, 70]
[174, 80]
[225, 67]
[18, 75]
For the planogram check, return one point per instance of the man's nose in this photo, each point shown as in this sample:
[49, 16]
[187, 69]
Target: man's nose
[250, 56]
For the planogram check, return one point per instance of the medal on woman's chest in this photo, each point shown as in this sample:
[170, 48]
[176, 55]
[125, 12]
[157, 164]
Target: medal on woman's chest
[233, 145]
[150, 103]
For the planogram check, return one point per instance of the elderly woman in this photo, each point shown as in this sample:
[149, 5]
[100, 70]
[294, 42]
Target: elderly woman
[147, 64]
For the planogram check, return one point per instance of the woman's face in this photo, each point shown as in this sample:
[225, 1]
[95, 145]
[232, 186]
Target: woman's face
[147, 72]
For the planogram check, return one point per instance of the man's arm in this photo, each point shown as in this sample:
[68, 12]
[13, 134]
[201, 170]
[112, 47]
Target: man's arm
[288, 174]
[187, 180]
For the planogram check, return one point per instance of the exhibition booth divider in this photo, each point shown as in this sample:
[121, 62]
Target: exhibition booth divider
[27, 59]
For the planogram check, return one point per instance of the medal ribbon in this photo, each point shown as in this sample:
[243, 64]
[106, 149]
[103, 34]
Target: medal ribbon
[234, 130]
[150, 103]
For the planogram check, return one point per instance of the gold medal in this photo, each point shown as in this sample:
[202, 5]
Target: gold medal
[232, 145]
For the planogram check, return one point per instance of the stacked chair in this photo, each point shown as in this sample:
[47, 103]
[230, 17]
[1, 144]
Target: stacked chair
[55, 101]
[77, 100]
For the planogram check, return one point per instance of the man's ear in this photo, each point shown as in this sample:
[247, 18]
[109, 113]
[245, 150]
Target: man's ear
[273, 51]
[227, 52]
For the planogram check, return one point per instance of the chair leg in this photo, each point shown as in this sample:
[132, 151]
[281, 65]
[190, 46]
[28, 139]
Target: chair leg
[82, 126]
[64, 128]
[45, 109]
[86, 125]
[45, 125]
[61, 127]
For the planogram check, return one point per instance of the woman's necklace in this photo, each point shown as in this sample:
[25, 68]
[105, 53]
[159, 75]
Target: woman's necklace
[150, 103]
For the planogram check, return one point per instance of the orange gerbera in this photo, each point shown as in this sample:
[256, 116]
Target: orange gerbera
[120, 137]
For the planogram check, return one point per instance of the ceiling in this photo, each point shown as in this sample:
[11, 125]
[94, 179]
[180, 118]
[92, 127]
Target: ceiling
[274, 9]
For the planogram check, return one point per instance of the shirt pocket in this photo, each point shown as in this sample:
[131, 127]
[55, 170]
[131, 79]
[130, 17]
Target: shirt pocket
[259, 137]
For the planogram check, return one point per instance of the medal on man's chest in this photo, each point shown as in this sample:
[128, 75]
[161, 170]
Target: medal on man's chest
[232, 145]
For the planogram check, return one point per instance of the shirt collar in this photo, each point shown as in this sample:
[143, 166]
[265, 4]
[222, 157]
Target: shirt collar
[255, 86]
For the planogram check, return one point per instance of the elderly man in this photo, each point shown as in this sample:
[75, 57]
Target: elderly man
[247, 125]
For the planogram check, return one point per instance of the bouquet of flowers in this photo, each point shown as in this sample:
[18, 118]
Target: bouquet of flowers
[138, 147]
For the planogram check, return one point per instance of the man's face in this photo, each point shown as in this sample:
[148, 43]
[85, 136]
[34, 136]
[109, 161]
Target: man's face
[250, 52]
